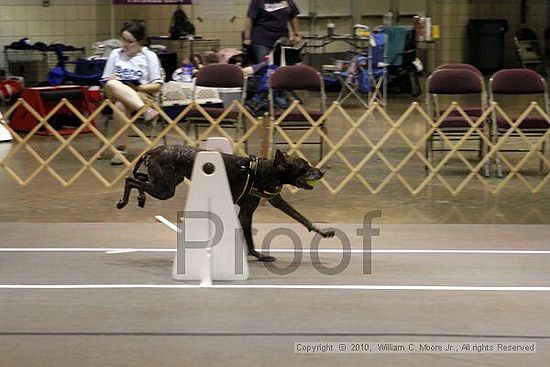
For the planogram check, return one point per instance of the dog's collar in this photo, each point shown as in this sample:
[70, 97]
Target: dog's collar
[250, 166]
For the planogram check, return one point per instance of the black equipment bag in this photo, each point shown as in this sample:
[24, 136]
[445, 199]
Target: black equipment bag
[180, 25]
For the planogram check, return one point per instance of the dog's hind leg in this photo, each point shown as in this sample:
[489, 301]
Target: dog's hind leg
[156, 190]
[130, 184]
[136, 182]
[163, 192]
[141, 198]
[143, 177]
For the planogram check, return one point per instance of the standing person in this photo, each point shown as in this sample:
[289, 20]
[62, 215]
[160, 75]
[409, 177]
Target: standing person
[267, 21]
[133, 77]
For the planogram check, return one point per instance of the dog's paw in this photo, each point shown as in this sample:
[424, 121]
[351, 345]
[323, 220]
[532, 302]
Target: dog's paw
[141, 202]
[326, 232]
[267, 259]
[262, 257]
[120, 204]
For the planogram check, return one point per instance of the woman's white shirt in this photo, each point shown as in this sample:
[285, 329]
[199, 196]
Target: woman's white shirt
[143, 66]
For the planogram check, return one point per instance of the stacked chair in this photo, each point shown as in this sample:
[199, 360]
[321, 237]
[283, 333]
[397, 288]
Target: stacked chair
[528, 49]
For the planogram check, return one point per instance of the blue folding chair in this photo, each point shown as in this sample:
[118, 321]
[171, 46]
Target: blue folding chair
[366, 77]
[377, 69]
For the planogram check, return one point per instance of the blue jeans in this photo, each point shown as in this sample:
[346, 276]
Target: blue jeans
[260, 51]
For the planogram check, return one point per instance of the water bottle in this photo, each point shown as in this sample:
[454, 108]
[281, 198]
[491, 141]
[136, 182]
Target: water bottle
[187, 76]
[330, 29]
[428, 29]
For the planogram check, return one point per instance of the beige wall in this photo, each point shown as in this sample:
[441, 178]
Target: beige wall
[453, 16]
[69, 22]
[227, 27]
[72, 22]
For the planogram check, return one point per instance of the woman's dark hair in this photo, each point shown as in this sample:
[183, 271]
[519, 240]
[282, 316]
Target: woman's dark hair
[136, 27]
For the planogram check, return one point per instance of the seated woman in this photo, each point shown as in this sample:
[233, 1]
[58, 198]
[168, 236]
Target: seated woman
[132, 77]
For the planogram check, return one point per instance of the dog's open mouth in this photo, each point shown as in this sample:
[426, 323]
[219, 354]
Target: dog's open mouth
[309, 184]
[312, 183]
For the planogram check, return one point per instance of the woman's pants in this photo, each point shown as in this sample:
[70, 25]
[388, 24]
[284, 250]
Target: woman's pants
[261, 51]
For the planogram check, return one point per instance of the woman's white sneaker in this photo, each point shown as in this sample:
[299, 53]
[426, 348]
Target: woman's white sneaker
[150, 115]
[117, 157]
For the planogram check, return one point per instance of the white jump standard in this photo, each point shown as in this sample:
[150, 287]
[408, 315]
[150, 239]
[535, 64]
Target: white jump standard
[210, 245]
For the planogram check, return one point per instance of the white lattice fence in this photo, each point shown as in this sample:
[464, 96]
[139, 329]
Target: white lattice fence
[170, 126]
[434, 171]
[366, 147]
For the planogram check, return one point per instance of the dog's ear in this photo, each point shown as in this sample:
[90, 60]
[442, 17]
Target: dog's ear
[280, 162]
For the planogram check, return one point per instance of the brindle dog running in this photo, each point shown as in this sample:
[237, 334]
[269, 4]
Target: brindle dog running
[250, 179]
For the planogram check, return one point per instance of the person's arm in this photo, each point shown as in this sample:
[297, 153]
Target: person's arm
[155, 77]
[249, 70]
[295, 27]
[108, 70]
[248, 32]
[251, 15]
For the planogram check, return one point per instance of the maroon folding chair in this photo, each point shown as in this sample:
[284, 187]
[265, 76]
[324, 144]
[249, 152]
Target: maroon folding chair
[220, 76]
[519, 82]
[473, 111]
[293, 78]
[456, 83]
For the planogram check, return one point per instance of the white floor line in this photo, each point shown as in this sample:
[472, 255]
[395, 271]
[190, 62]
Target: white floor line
[117, 250]
[431, 288]
[167, 223]
[84, 249]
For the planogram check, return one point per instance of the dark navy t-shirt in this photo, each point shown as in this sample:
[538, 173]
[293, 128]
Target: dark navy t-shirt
[270, 20]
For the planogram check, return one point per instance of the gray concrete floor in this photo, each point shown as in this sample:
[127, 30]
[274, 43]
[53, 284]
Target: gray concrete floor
[258, 327]
[150, 326]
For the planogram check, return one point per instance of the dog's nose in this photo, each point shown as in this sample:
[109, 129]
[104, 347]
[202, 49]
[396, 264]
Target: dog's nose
[322, 173]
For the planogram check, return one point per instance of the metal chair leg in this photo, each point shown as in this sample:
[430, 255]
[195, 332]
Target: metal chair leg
[541, 161]
[498, 164]
[429, 152]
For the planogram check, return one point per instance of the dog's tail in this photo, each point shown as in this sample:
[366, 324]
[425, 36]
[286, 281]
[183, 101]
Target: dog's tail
[140, 162]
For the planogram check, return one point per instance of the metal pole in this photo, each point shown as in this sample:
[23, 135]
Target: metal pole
[266, 140]
[354, 13]
[310, 14]
[113, 33]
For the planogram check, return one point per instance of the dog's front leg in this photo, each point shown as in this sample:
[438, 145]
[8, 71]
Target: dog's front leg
[281, 204]
[245, 217]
